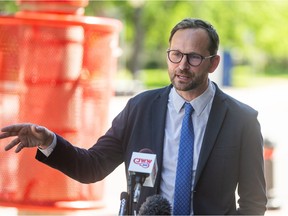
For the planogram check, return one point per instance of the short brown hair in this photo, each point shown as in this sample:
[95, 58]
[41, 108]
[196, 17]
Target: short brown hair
[198, 23]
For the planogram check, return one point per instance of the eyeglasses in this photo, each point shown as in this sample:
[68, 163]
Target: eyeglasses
[193, 59]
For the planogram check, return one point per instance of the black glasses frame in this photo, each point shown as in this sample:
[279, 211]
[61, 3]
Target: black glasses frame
[188, 54]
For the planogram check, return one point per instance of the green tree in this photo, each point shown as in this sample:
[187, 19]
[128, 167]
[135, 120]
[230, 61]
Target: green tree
[8, 7]
[254, 31]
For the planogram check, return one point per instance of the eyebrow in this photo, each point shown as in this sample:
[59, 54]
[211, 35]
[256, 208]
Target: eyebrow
[187, 52]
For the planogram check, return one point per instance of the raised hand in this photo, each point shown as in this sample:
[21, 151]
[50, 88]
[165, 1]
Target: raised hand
[27, 136]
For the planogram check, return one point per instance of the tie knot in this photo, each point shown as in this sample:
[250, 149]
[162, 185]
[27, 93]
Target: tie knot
[188, 109]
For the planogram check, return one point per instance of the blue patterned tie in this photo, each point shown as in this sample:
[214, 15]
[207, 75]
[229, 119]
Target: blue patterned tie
[183, 183]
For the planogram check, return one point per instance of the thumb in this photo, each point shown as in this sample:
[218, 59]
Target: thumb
[39, 129]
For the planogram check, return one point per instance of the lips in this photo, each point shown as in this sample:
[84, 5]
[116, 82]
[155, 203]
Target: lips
[182, 77]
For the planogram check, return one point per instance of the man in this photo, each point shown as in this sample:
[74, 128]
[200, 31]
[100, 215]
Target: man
[227, 148]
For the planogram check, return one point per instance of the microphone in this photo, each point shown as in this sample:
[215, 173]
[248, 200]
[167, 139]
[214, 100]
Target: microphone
[123, 204]
[144, 163]
[155, 205]
[142, 171]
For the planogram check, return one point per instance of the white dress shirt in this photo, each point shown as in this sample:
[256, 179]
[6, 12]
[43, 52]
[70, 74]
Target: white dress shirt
[175, 113]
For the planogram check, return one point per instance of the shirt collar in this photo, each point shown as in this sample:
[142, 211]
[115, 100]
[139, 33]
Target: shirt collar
[198, 103]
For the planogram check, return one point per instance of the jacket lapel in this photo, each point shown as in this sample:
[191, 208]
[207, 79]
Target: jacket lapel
[158, 114]
[216, 117]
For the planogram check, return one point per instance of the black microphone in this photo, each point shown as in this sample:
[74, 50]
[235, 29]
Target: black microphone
[123, 204]
[155, 205]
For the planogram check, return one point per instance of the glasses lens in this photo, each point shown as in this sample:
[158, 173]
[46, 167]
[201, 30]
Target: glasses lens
[175, 56]
[194, 59]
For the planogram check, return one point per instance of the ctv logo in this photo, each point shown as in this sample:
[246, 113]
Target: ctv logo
[145, 163]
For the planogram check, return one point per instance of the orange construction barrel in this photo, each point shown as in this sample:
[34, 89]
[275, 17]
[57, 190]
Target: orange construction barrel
[65, 66]
[54, 6]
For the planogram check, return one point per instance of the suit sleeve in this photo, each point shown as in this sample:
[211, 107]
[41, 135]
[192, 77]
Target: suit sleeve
[93, 164]
[251, 187]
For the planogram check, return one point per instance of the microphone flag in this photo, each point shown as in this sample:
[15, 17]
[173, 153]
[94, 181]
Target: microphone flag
[144, 163]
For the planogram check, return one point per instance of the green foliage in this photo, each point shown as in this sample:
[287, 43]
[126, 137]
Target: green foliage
[154, 78]
[8, 7]
[254, 31]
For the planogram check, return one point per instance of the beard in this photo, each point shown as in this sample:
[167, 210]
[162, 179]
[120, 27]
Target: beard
[189, 81]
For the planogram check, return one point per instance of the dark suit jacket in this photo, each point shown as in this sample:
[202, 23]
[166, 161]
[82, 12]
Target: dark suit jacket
[231, 156]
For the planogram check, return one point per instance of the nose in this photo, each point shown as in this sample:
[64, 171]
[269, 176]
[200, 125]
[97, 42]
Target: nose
[183, 64]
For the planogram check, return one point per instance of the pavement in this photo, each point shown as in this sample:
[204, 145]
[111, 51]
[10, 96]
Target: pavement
[272, 103]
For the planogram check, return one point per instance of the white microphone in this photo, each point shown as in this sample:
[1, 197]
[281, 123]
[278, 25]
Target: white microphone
[143, 167]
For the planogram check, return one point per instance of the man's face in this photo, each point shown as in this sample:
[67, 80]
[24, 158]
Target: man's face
[183, 76]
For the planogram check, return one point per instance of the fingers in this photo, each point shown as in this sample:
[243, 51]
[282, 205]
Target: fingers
[27, 135]
[8, 134]
[4, 135]
[19, 147]
[13, 130]
[12, 144]
[14, 127]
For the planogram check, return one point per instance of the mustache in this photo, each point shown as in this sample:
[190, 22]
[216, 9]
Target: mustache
[183, 73]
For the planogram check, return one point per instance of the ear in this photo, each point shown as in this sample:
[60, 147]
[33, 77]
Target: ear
[214, 63]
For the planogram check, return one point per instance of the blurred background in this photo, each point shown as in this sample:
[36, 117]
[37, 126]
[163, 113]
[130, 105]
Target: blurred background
[254, 52]
[253, 32]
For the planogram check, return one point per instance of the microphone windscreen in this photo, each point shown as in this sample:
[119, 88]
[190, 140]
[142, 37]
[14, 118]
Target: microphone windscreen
[155, 205]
